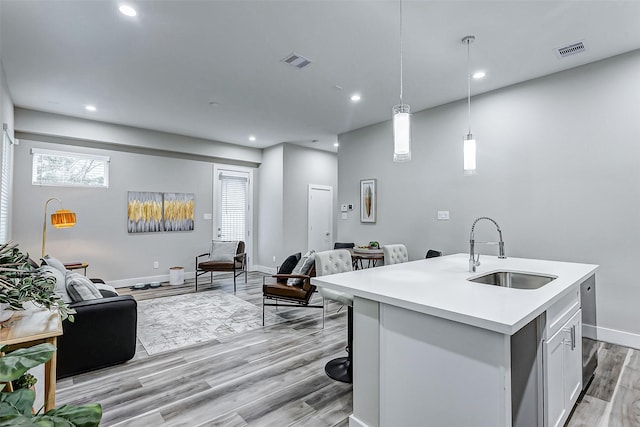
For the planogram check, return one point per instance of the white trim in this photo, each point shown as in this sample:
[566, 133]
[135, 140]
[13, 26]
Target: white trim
[70, 154]
[263, 269]
[240, 171]
[328, 188]
[626, 339]
[354, 422]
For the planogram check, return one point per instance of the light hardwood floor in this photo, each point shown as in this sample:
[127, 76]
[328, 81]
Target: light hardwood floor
[274, 376]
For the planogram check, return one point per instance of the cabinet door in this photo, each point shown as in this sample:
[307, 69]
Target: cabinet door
[562, 371]
[554, 365]
[573, 360]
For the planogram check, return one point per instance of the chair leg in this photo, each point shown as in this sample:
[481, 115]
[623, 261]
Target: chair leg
[234, 281]
[323, 310]
[262, 311]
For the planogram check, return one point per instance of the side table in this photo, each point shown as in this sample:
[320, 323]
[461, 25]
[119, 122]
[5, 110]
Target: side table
[31, 327]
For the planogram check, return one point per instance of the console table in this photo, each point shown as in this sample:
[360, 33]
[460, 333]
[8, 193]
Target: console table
[31, 327]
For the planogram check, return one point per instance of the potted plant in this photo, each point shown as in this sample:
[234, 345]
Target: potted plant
[20, 282]
[16, 405]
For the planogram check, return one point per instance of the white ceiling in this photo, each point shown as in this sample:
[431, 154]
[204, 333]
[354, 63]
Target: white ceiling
[161, 69]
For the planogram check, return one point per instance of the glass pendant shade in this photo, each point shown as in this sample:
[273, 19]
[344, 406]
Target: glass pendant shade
[63, 219]
[401, 133]
[469, 152]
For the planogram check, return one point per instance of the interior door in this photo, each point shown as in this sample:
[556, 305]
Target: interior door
[232, 205]
[320, 218]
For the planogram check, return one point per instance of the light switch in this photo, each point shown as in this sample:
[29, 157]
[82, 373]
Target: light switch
[344, 215]
[343, 207]
[207, 216]
[443, 215]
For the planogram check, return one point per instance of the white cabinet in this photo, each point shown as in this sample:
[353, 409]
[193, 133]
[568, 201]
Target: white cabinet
[562, 371]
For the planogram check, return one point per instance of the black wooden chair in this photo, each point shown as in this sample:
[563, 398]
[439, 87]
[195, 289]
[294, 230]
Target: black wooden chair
[433, 254]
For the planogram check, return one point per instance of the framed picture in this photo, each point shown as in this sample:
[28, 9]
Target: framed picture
[368, 200]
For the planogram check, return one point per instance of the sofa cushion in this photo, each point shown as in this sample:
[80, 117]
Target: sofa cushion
[61, 284]
[55, 263]
[223, 251]
[288, 265]
[302, 267]
[80, 288]
[105, 290]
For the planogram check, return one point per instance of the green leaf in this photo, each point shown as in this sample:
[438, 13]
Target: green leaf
[17, 402]
[88, 415]
[16, 363]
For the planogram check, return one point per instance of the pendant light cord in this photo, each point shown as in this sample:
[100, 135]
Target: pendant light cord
[469, 81]
[401, 52]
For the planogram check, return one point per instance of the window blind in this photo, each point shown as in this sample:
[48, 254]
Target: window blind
[233, 207]
[6, 174]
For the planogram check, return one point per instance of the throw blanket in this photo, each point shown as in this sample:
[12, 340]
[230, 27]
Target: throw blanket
[223, 251]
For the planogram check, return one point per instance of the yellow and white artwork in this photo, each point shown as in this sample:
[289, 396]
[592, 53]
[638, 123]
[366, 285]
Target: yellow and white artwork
[368, 200]
[179, 211]
[144, 212]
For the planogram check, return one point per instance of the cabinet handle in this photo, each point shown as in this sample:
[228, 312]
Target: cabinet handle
[573, 337]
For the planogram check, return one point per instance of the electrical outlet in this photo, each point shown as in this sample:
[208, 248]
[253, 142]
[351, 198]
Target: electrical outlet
[443, 215]
[156, 264]
[274, 258]
[207, 216]
[345, 215]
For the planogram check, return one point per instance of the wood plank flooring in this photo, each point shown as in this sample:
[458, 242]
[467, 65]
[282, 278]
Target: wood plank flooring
[274, 376]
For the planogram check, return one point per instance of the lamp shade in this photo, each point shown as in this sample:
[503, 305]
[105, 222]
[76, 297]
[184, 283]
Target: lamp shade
[469, 153]
[401, 133]
[63, 219]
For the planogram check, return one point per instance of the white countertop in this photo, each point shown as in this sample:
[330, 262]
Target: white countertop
[439, 287]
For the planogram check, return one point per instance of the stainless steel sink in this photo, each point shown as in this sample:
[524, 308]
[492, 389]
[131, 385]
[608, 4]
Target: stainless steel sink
[514, 279]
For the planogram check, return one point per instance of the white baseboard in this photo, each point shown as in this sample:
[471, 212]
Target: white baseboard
[125, 283]
[626, 339]
[354, 422]
[263, 269]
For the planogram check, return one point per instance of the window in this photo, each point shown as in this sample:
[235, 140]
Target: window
[59, 168]
[233, 207]
[6, 173]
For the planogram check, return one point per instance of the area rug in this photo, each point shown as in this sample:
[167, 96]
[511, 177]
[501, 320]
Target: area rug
[172, 322]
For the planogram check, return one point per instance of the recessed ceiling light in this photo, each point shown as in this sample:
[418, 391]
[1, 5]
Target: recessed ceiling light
[252, 138]
[479, 74]
[127, 10]
[90, 108]
[355, 97]
[335, 144]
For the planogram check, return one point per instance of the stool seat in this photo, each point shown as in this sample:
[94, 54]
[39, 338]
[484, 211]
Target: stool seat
[338, 296]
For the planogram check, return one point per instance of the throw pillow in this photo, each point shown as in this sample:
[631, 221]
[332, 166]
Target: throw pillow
[302, 267]
[61, 287]
[80, 288]
[106, 290]
[223, 251]
[55, 263]
[288, 265]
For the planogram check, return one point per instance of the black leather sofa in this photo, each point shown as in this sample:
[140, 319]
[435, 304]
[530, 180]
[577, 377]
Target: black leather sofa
[103, 334]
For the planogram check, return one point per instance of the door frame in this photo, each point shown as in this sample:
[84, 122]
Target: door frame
[319, 187]
[248, 241]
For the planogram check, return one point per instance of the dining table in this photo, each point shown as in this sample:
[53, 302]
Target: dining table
[368, 256]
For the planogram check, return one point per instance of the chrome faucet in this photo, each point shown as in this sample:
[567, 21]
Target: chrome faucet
[473, 261]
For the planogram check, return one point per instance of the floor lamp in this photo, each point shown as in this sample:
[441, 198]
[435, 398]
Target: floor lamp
[61, 219]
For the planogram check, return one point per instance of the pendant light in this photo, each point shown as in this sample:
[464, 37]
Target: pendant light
[401, 119]
[469, 144]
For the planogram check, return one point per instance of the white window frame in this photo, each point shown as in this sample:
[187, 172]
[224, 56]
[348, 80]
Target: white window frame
[6, 178]
[79, 156]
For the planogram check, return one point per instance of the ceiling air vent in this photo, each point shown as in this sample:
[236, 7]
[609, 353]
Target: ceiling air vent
[571, 49]
[296, 60]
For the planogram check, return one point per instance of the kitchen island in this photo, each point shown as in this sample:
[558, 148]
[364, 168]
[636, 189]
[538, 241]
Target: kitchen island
[432, 348]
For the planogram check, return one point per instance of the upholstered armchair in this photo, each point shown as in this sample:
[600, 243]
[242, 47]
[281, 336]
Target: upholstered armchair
[292, 286]
[395, 254]
[223, 256]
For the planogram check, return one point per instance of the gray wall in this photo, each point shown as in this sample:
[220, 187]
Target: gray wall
[100, 236]
[270, 200]
[41, 123]
[557, 168]
[6, 114]
[285, 175]
[302, 167]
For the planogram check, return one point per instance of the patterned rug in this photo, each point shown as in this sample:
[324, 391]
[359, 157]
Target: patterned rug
[173, 322]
